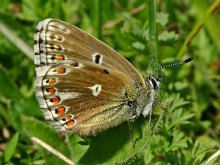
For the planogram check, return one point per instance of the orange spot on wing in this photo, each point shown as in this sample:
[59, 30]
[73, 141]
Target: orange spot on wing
[51, 81]
[60, 110]
[74, 64]
[61, 70]
[70, 123]
[56, 100]
[59, 57]
[68, 117]
[50, 90]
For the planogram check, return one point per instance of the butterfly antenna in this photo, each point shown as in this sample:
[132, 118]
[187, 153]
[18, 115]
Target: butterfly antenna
[149, 66]
[174, 64]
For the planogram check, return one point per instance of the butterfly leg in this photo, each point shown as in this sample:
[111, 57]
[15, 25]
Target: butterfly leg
[162, 105]
[150, 114]
[149, 123]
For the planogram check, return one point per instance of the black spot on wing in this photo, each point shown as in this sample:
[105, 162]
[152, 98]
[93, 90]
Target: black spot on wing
[106, 71]
[97, 58]
[96, 89]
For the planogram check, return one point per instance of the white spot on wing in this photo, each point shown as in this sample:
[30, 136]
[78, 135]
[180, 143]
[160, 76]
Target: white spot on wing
[41, 71]
[97, 58]
[96, 89]
[39, 93]
[62, 97]
[48, 115]
[66, 96]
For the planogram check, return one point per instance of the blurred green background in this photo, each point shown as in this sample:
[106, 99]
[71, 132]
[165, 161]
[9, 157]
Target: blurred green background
[190, 131]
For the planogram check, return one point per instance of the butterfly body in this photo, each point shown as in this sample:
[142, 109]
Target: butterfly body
[83, 86]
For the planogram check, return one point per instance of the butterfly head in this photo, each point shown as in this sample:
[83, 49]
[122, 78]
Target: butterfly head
[152, 82]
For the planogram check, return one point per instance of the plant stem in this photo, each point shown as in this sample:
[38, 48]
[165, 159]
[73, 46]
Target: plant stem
[98, 13]
[52, 150]
[212, 9]
[113, 23]
[18, 42]
[152, 30]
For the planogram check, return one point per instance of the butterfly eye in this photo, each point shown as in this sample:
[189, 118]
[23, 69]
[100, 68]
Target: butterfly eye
[153, 82]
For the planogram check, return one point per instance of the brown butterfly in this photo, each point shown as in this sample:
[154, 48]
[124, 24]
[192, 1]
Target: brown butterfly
[83, 86]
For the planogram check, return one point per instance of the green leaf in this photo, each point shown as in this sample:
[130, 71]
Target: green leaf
[177, 102]
[115, 146]
[7, 87]
[138, 30]
[180, 117]
[77, 147]
[138, 45]
[162, 18]
[3, 4]
[11, 146]
[178, 142]
[48, 135]
[169, 37]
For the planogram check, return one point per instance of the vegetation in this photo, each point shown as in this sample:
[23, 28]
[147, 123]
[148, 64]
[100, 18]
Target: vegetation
[185, 133]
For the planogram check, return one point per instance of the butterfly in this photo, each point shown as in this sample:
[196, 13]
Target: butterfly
[85, 87]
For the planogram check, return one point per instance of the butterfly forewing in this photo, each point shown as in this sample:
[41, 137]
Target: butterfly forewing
[82, 85]
[59, 42]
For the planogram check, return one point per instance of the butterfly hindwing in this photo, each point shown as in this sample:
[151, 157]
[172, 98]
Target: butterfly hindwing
[83, 98]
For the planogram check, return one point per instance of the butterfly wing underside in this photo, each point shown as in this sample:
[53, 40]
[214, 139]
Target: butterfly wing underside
[81, 83]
